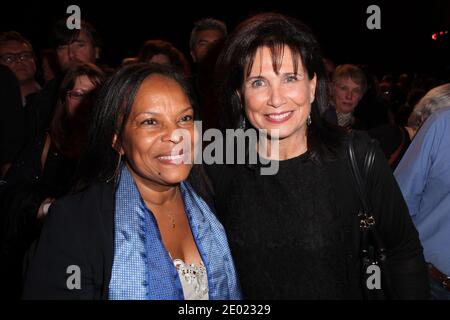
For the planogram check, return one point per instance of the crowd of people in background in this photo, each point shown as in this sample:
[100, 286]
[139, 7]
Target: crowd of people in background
[50, 99]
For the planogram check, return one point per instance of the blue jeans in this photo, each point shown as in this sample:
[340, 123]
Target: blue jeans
[438, 292]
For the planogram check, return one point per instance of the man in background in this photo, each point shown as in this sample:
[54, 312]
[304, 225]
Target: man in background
[423, 175]
[17, 54]
[205, 34]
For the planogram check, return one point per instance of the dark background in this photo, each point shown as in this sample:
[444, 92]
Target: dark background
[403, 44]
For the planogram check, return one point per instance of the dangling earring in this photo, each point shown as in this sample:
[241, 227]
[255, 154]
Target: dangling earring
[242, 125]
[116, 171]
[308, 121]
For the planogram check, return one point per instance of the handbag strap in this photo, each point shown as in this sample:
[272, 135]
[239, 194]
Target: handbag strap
[367, 221]
[360, 180]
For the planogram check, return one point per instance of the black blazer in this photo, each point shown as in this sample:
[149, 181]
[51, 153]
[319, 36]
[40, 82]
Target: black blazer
[79, 230]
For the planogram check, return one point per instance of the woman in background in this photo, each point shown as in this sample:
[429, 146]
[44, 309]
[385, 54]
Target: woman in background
[44, 170]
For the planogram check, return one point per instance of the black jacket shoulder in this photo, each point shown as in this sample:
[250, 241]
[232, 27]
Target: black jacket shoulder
[78, 236]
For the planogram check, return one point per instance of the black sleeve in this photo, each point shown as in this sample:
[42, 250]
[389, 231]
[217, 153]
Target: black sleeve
[18, 229]
[12, 127]
[60, 246]
[19, 226]
[394, 224]
[40, 110]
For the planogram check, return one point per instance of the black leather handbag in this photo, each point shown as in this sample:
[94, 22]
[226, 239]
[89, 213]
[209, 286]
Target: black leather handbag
[373, 253]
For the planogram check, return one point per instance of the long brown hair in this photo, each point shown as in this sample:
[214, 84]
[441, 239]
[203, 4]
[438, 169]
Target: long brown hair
[68, 132]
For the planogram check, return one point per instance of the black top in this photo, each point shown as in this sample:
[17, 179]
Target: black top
[20, 198]
[39, 110]
[12, 121]
[371, 112]
[295, 235]
[284, 251]
[394, 141]
[57, 175]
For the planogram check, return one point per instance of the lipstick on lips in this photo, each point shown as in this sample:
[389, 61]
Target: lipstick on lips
[279, 117]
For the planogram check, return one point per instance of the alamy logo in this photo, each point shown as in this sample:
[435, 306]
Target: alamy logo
[74, 20]
[241, 147]
[74, 279]
[374, 280]
[374, 20]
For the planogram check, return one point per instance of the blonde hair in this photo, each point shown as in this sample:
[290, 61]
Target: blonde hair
[350, 71]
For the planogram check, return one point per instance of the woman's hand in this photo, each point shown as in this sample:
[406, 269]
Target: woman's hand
[44, 207]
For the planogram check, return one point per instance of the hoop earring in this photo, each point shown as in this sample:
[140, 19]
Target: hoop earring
[116, 171]
[308, 120]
